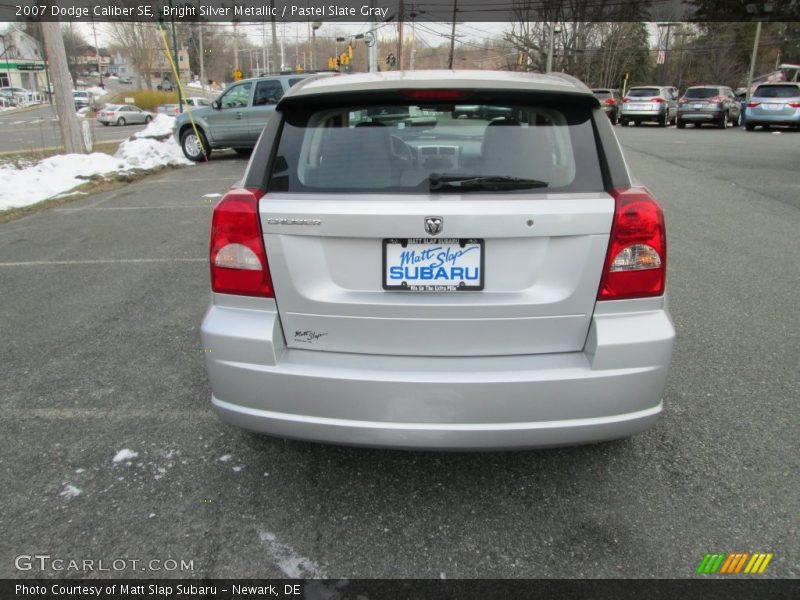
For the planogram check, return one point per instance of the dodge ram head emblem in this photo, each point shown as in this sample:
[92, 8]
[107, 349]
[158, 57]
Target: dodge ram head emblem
[434, 225]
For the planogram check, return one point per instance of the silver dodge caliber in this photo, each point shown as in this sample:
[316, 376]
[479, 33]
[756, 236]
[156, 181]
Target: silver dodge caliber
[389, 275]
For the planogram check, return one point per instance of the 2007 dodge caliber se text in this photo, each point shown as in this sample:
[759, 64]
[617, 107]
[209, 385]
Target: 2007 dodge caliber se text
[392, 275]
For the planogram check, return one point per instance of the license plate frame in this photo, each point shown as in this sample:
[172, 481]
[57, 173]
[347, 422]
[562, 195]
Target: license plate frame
[392, 244]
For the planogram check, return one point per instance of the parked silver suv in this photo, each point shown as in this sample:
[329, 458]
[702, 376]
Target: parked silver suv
[649, 103]
[442, 283]
[235, 119]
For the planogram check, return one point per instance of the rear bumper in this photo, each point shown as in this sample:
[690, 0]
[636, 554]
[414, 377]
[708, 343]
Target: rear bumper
[691, 116]
[768, 119]
[612, 389]
[643, 115]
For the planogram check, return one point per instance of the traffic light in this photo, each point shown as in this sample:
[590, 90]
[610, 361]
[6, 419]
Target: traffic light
[349, 51]
[237, 74]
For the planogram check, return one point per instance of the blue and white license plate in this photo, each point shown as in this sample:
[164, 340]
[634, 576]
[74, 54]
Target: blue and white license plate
[772, 106]
[433, 265]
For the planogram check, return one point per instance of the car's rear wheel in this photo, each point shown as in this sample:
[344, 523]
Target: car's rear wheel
[121, 121]
[105, 123]
[624, 122]
[739, 120]
[243, 151]
[723, 122]
[147, 119]
[681, 124]
[194, 145]
[663, 122]
[637, 123]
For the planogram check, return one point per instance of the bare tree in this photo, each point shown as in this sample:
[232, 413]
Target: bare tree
[140, 42]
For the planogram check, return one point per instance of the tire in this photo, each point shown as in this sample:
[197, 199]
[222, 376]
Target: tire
[723, 123]
[243, 151]
[194, 149]
[739, 119]
[663, 122]
[681, 124]
[615, 120]
[105, 124]
[624, 122]
[749, 126]
[637, 123]
[121, 122]
[147, 119]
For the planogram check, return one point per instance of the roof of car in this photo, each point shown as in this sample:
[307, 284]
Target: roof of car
[438, 79]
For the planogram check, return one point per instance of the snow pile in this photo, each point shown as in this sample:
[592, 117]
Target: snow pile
[96, 91]
[70, 491]
[160, 126]
[124, 454]
[152, 148]
[195, 84]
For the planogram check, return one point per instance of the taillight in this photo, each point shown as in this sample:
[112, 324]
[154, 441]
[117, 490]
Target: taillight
[793, 104]
[636, 261]
[238, 257]
[626, 99]
[752, 104]
[657, 100]
[610, 101]
[717, 99]
[683, 100]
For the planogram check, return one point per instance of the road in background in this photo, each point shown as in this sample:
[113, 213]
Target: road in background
[103, 301]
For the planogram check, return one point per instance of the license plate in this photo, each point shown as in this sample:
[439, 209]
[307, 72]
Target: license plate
[772, 106]
[433, 265]
[640, 107]
[699, 105]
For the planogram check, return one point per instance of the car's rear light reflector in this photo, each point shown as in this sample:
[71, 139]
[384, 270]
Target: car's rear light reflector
[683, 100]
[237, 254]
[793, 104]
[636, 261]
[626, 99]
[657, 100]
[435, 94]
[717, 99]
[610, 101]
[752, 104]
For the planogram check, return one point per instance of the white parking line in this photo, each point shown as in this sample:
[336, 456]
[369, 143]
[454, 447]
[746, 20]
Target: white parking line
[131, 207]
[110, 261]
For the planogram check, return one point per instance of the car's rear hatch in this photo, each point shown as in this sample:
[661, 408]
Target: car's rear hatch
[361, 253]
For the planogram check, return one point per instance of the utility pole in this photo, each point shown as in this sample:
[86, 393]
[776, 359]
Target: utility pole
[202, 63]
[71, 133]
[453, 36]
[753, 60]
[235, 48]
[400, 18]
[413, 40]
[553, 30]
[177, 60]
[97, 53]
[274, 33]
[373, 47]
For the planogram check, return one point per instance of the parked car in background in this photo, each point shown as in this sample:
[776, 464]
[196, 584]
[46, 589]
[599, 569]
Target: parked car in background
[166, 86]
[125, 80]
[774, 104]
[715, 104]
[82, 99]
[649, 103]
[20, 95]
[192, 101]
[611, 101]
[123, 114]
[235, 119]
[360, 298]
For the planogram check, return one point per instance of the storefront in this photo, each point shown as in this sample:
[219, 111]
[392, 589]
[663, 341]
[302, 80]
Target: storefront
[23, 74]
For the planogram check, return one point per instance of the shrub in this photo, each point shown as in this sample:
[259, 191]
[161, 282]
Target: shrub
[146, 99]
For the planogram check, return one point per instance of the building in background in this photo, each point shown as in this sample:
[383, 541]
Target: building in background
[21, 61]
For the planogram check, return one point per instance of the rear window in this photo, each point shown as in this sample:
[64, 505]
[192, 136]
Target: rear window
[703, 92]
[413, 148]
[602, 95]
[777, 91]
[643, 92]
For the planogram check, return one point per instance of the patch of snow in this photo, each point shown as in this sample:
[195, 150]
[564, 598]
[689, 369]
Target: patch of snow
[195, 84]
[225, 458]
[96, 91]
[160, 126]
[238, 468]
[151, 515]
[212, 196]
[80, 470]
[287, 560]
[70, 491]
[58, 174]
[124, 454]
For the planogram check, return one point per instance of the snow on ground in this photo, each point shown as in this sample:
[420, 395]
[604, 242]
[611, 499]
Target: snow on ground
[287, 560]
[70, 491]
[124, 454]
[195, 84]
[96, 91]
[225, 458]
[152, 148]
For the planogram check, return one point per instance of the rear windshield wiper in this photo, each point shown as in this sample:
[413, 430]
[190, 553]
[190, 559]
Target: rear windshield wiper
[468, 183]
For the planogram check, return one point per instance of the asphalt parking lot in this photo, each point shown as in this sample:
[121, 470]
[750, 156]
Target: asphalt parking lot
[102, 300]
